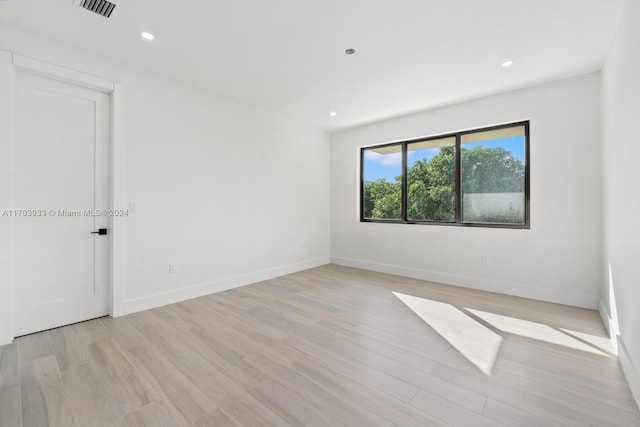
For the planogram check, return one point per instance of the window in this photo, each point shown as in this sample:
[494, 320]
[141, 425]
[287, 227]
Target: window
[470, 178]
[383, 187]
[431, 180]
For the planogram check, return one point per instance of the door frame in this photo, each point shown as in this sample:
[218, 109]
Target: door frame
[10, 63]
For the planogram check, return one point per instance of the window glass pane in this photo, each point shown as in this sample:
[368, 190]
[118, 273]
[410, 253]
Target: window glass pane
[492, 176]
[382, 174]
[431, 180]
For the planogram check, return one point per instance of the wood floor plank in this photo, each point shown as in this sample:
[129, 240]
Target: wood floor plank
[175, 390]
[107, 387]
[219, 387]
[43, 397]
[216, 418]
[382, 381]
[241, 373]
[154, 414]
[565, 361]
[360, 355]
[426, 357]
[511, 416]
[122, 374]
[9, 370]
[95, 398]
[90, 331]
[329, 401]
[450, 412]
[328, 346]
[373, 400]
[294, 410]
[122, 331]
[547, 409]
[342, 333]
[34, 346]
[244, 415]
[581, 407]
[229, 355]
[613, 395]
[10, 407]
[69, 348]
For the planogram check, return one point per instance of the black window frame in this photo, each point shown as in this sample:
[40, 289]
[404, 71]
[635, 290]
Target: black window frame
[458, 177]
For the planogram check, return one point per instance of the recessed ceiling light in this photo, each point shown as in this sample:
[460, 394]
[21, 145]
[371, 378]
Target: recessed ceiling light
[147, 36]
[507, 64]
[333, 114]
[350, 51]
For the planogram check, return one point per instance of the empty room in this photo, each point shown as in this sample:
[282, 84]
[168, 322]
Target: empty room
[319, 213]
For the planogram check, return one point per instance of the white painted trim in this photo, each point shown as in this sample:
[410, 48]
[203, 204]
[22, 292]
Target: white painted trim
[609, 325]
[605, 317]
[116, 162]
[630, 370]
[64, 74]
[170, 297]
[118, 200]
[508, 288]
[6, 196]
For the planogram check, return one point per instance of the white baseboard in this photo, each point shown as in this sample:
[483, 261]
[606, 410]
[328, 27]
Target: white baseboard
[609, 325]
[606, 318]
[508, 288]
[629, 369]
[164, 298]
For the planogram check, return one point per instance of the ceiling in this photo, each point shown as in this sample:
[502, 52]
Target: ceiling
[287, 57]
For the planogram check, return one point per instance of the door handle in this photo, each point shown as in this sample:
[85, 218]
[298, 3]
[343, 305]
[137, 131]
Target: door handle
[100, 232]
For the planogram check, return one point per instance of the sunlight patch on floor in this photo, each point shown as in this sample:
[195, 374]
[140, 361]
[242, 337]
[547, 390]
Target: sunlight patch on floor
[541, 332]
[601, 342]
[476, 342]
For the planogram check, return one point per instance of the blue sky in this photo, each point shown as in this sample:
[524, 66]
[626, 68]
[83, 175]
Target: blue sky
[388, 166]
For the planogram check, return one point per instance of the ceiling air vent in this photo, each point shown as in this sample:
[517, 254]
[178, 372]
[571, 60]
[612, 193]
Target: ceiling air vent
[101, 7]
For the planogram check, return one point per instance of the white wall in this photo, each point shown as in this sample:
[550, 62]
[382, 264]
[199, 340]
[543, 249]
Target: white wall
[557, 260]
[621, 141]
[229, 194]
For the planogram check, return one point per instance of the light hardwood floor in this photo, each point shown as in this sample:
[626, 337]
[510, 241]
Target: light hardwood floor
[331, 346]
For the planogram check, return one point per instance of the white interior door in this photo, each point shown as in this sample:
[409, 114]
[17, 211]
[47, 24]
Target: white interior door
[61, 155]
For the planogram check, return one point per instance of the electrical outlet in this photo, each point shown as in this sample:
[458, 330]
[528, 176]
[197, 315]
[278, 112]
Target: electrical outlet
[172, 269]
[484, 260]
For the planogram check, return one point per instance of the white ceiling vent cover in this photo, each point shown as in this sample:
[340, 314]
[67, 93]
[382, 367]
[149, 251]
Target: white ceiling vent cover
[101, 7]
